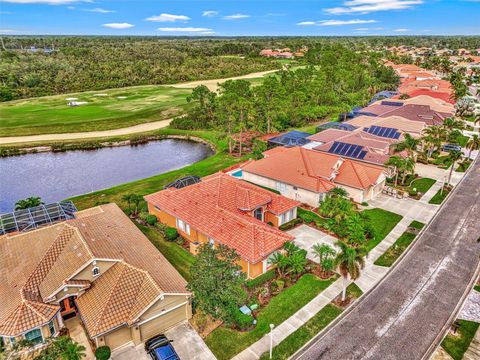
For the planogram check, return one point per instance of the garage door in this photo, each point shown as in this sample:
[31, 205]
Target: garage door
[159, 325]
[118, 338]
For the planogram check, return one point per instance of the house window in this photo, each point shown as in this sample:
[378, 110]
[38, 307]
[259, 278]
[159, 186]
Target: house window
[258, 213]
[281, 187]
[182, 225]
[12, 340]
[211, 242]
[96, 271]
[34, 336]
[51, 328]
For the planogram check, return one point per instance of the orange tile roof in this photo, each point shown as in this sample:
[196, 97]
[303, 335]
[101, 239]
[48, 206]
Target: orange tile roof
[216, 207]
[38, 263]
[313, 170]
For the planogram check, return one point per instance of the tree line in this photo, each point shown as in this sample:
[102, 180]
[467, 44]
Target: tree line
[334, 78]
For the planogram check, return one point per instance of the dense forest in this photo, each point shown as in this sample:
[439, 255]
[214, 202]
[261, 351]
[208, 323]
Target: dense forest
[63, 64]
[334, 79]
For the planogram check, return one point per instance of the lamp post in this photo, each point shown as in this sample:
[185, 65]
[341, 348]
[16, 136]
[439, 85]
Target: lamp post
[271, 339]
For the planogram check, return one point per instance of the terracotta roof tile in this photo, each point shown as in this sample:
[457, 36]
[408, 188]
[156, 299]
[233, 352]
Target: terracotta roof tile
[313, 170]
[216, 207]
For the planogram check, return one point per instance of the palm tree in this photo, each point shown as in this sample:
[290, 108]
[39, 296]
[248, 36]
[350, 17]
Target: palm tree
[325, 254]
[453, 157]
[409, 144]
[403, 166]
[450, 124]
[280, 262]
[128, 199]
[28, 203]
[350, 261]
[473, 144]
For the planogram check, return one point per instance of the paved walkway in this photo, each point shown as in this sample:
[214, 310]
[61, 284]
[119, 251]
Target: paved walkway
[77, 333]
[433, 172]
[406, 315]
[471, 308]
[295, 321]
[473, 351]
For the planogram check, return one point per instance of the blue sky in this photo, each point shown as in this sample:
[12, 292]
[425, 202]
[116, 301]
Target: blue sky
[246, 17]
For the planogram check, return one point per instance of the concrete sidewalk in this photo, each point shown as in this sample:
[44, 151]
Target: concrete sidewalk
[294, 322]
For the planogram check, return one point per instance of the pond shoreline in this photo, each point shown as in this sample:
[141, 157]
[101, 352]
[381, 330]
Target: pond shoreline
[95, 145]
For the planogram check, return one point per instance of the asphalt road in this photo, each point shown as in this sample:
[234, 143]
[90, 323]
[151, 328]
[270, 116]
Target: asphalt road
[407, 312]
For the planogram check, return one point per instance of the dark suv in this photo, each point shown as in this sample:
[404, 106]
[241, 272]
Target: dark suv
[160, 348]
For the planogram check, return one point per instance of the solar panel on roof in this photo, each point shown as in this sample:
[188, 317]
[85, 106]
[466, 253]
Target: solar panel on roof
[390, 133]
[348, 150]
[392, 103]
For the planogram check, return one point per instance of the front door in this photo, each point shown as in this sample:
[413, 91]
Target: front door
[68, 307]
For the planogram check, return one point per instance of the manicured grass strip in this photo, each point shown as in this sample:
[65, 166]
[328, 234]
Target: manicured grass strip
[463, 166]
[180, 258]
[438, 198]
[422, 185]
[397, 249]
[456, 345]
[417, 224]
[383, 221]
[312, 327]
[394, 251]
[296, 340]
[225, 342]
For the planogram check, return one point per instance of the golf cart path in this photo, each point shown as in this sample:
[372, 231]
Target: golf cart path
[155, 125]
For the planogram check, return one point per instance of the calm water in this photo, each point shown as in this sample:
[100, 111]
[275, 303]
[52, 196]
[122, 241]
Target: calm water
[57, 176]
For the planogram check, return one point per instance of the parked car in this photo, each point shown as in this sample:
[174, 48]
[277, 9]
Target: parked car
[160, 348]
[451, 147]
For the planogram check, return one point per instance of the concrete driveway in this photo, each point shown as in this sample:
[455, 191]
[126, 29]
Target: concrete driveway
[186, 342]
[306, 237]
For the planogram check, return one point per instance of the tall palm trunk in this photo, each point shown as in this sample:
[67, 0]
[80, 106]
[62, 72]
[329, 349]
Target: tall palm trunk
[344, 290]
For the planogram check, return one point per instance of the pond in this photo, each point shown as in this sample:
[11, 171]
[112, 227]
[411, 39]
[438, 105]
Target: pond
[57, 176]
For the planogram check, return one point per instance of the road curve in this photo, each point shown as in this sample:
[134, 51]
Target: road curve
[406, 314]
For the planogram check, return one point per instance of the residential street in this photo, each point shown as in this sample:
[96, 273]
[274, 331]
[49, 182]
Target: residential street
[407, 312]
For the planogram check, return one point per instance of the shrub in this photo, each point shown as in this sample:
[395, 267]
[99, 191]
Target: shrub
[151, 219]
[364, 203]
[103, 353]
[180, 241]
[241, 320]
[278, 285]
[143, 215]
[260, 280]
[291, 224]
[160, 226]
[307, 216]
[171, 234]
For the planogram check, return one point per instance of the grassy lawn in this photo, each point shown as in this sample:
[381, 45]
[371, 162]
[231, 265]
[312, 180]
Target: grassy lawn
[225, 342]
[296, 340]
[383, 221]
[312, 327]
[181, 259]
[51, 114]
[397, 249]
[438, 198]
[463, 166]
[422, 185]
[477, 288]
[456, 345]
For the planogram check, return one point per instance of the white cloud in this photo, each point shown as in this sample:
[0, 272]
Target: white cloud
[49, 2]
[368, 29]
[236, 17]
[185, 29]
[401, 30]
[99, 10]
[367, 6]
[167, 18]
[118, 25]
[335, 22]
[210, 13]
